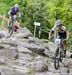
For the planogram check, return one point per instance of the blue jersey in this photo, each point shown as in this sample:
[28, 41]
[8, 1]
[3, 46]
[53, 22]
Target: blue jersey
[14, 11]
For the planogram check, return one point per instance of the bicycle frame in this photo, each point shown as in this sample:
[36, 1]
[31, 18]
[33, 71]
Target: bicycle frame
[59, 53]
[11, 24]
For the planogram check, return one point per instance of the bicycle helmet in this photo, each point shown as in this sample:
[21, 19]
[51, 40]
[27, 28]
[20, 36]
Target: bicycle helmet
[58, 22]
[16, 5]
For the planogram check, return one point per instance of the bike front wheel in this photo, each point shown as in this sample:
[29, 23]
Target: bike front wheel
[11, 28]
[56, 59]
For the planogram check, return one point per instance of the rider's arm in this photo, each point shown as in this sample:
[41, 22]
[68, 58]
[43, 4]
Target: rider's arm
[18, 12]
[52, 32]
[9, 12]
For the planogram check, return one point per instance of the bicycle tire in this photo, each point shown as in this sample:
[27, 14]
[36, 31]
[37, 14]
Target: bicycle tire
[61, 55]
[61, 52]
[11, 28]
[56, 60]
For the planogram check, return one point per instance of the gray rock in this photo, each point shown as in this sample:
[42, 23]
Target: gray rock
[10, 53]
[70, 73]
[4, 46]
[1, 53]
[68, 54]
[64, 71]
[35, 48]
[25, 56]
[23, 30]
[3, 33]
[52, 47]
[2, 61]
[70, 65]
[20, 69]
[48, 73]
[22, 49]
[23, 33]
[40, 66]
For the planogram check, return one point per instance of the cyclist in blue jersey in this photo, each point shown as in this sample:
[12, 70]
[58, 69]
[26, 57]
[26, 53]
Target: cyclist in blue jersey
[13, 12]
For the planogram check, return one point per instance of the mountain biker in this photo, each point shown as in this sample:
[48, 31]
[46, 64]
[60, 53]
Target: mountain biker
[61, 32]
[13, 12]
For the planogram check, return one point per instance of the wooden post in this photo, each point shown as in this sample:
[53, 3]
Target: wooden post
[3, 21]
[34, 30]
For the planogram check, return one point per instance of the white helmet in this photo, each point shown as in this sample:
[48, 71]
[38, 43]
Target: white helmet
[58, 22]
[16, 5]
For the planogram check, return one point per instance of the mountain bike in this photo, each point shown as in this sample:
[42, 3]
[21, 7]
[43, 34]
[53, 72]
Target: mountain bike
[11, 24]
[59, 54]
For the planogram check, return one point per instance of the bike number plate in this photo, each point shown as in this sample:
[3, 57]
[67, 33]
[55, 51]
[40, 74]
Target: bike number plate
[57, 41]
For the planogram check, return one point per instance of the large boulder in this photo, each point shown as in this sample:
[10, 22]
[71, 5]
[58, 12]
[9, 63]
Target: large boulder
[2, 60]
[3, 33]
[22, 49]
[23, 33]
[40, 66]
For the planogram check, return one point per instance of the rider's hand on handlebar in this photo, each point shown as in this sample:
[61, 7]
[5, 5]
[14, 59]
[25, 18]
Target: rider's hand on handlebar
[14, 16]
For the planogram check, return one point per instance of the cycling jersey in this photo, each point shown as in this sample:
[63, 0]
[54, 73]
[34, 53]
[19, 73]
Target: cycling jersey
[14, 11]
[60, 32]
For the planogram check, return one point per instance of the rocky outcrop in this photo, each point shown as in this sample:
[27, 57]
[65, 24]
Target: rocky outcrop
[23, 33]
[21, 56]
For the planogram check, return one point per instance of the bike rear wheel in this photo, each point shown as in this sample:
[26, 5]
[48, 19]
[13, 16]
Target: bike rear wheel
[56, 59]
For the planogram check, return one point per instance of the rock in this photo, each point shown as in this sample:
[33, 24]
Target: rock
[23, 30]
[23, 33]
[52, 47]
[48, 73]
[10, 53]
[22, 62]
[3, 33]
[25, 57]
[47, 52]
[1, 47]
[2, 61]
[64, 71]
[40, 66]
[0, 73]
[70, 65]
[22, 49]
[4, 46]
[6, 71]
[14, 70]
[20, 56]
[68, 54]
[33, 47]
[21, 69]
[1, 53]
[70, 73]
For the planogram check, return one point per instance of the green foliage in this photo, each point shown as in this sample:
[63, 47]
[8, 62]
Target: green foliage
[43, 11]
